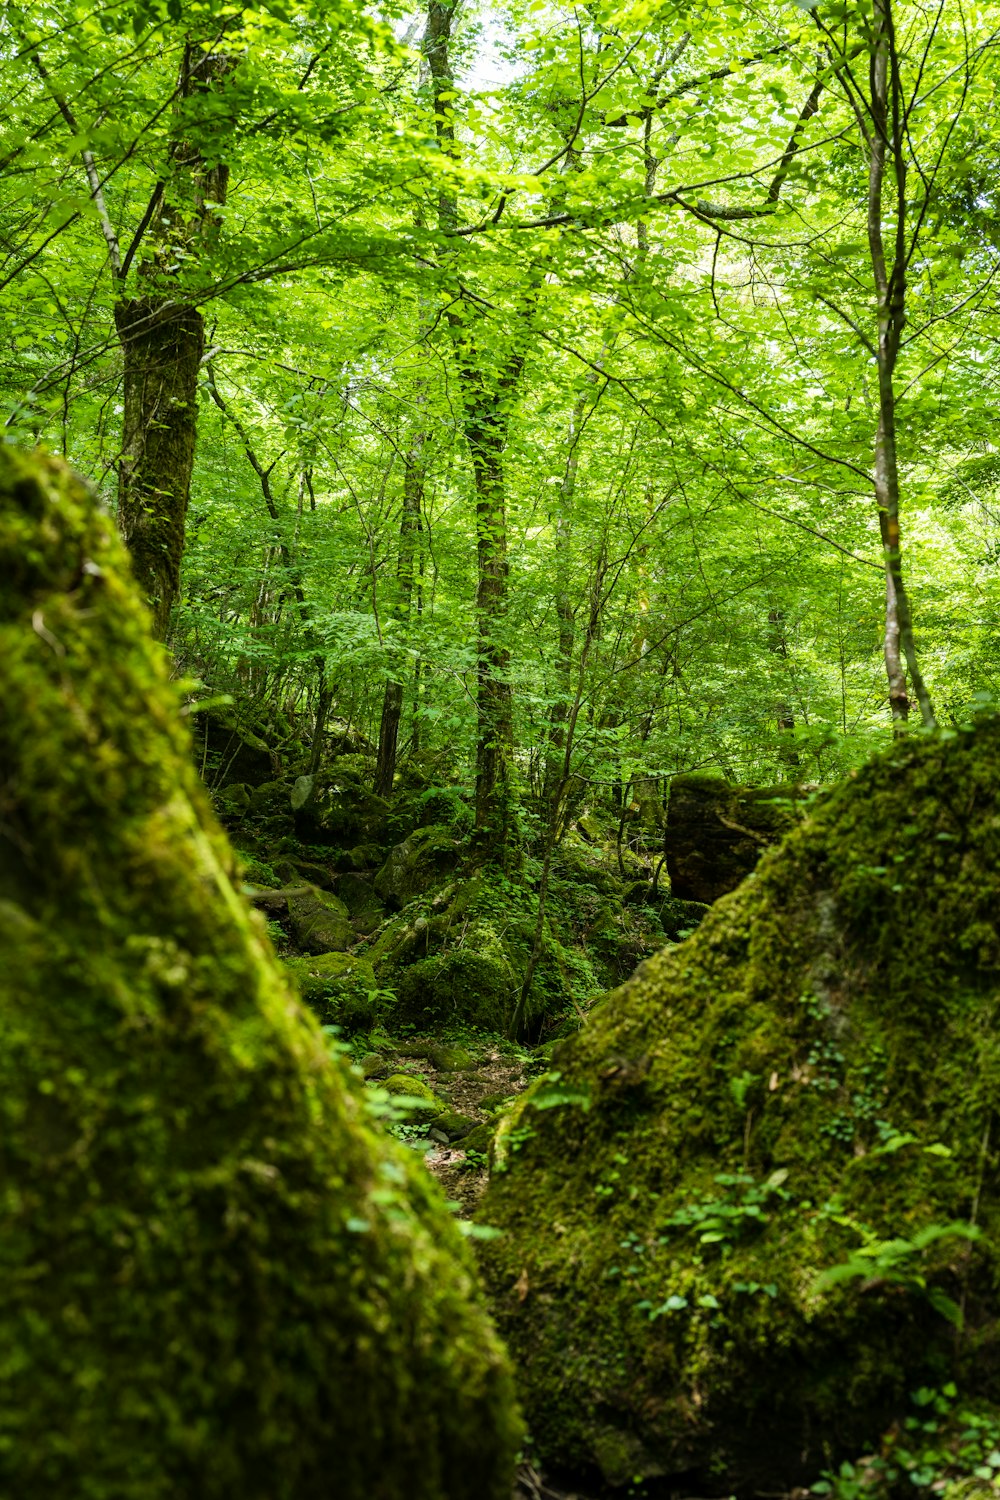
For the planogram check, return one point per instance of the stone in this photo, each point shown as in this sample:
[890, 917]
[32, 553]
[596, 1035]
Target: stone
[320, 922]
[419, 862]
[218, 1276]
[231, 750]
[453, 1125]
[408, 1085]
[232, 803]
[693, 1195]
[717, 830]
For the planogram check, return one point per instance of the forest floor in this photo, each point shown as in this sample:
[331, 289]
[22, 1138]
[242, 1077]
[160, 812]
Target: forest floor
[496, 1072]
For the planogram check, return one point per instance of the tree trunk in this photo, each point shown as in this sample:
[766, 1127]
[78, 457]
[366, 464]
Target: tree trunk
[392, 702]
[163, 344]
[163, 339]
[495, 739]
[885, 136]
[783, 712]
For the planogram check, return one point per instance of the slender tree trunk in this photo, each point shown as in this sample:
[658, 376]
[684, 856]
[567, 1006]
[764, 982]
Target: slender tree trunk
[486, 417]
[495, 738]
[163, 340]
[884, 128]
[392, 701]
[783, 713]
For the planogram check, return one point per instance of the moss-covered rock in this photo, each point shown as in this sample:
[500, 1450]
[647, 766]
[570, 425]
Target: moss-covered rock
[425, 1103]
[232, 803]
[473, 985]
[338, 987]
[320, 922]
[419, 862]
[217, 1276]
[680, 918]
[230, 749]
[812, 1075]
[716, 831]
[342, 809]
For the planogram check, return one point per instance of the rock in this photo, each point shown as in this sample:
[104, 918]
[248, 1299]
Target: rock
[365, 909]
[274, 903]
[295, 872]
[476, 988]
[342, 810]
[455, 1126]
[479, 1139]
[446, 1057]
[413, 866]
[217, 1276]
[575, 862]
[408, 1085]
[444, 807]
[232, 803]
[680, 918]
[361, 857]
[301, 791]
[813, 1072]
[494, 1101]
[716, 831]
[338, 987]
[271, 804]
[589, 826]
[372, 1064]
[230, 749]
[320, 922]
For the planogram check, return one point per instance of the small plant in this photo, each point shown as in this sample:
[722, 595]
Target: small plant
[740, 1210]
[898, 1262]
[946, 1440]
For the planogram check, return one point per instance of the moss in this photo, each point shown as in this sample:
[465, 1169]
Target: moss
[461, 985]
[422, 860]
[217, 1276]
[320, 922]
[339, 988]
[826, 1043]
[412, 1086]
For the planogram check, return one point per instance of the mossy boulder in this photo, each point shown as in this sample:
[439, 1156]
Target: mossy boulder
[814, 1074]
[342, 810]
[232, 803]
[230, 749]
[320, 922]
[217, 1276]
[419, 862]
[717, 830]
[425, 1103]
[473, 985]
[680, 918]
[338, 987]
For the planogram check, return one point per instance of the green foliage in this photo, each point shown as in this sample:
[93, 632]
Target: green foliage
[947, 1445]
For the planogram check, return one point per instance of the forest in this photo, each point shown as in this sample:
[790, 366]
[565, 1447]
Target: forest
[499, 750]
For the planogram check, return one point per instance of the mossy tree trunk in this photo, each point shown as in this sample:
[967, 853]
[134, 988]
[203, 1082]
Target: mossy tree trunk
[162, 336]
[409, 531]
